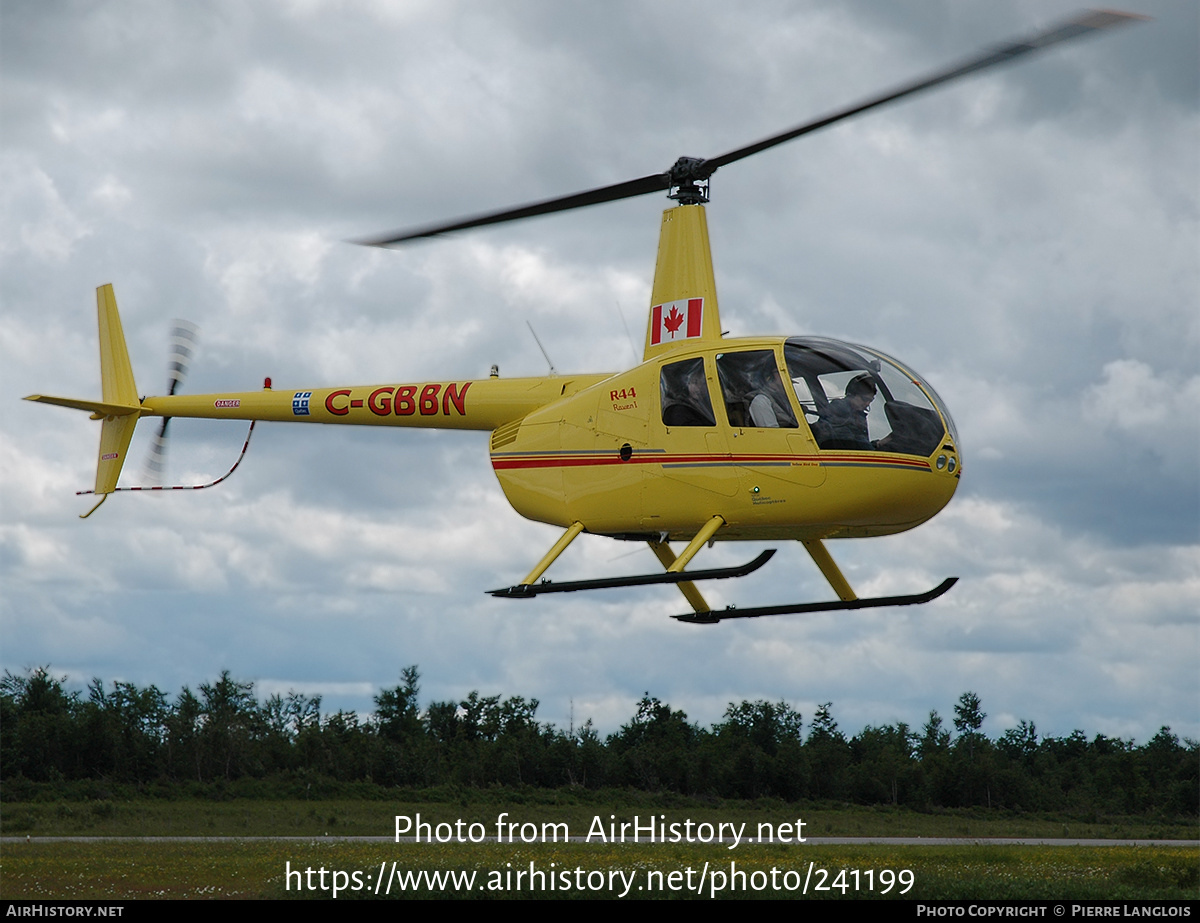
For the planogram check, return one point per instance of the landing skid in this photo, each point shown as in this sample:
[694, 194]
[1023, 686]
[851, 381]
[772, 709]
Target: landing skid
[686, 580]
[712, 617]
[524, 591]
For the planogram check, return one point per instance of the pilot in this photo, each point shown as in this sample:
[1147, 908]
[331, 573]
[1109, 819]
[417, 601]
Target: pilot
[843, 423]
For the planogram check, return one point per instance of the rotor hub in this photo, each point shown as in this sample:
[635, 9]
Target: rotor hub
[689, 177]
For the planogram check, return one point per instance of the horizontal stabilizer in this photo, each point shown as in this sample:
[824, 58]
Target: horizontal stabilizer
[96, 408]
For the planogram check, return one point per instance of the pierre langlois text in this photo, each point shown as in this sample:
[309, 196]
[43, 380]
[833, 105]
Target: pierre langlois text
[653, 828]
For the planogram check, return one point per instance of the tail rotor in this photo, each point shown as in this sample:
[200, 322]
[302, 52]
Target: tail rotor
[183, 342]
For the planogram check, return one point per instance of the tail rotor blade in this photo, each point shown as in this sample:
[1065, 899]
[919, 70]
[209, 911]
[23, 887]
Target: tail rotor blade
[182, 347]
[156, 459]
[184, 338]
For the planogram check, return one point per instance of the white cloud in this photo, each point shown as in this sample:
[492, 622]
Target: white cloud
[1134, 399]
[47, 228]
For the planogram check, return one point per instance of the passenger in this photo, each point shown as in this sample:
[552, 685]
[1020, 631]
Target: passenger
[762, 412]
[693, 408]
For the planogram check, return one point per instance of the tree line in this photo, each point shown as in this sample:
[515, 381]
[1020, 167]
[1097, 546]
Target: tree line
[223, 733]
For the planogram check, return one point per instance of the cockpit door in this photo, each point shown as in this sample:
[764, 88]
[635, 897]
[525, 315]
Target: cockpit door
[767, 434]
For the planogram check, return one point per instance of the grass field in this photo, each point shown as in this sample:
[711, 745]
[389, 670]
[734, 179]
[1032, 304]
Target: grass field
[124, 868]
[256, 869]
[350, 817]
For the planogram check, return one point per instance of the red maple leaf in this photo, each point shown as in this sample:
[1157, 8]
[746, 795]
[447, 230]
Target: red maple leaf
[673, 320]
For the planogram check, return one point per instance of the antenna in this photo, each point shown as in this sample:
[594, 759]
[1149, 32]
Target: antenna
[628, 335]
[553, 371]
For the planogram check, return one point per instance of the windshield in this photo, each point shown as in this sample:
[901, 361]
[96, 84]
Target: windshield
[859, 398]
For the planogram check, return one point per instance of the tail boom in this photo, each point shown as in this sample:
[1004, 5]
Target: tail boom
[482, 404]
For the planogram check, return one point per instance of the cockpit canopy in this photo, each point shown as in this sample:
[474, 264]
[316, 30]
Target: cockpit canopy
[841, 387]
[852, 397]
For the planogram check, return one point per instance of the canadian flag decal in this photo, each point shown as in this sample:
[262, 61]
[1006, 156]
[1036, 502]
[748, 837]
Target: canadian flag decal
[676, 320]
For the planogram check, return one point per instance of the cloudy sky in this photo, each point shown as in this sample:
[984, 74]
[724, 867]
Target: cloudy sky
[1026, 239]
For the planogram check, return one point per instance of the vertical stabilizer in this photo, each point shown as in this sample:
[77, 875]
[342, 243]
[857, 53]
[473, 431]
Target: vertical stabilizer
[116, 372]
[115, 434]
[683, 302]
[117, 386]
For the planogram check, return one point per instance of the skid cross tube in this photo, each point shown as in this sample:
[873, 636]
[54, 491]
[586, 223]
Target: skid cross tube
[666, 557]
[522, 591]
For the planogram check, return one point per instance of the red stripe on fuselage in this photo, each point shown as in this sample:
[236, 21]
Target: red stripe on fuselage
[551, 460]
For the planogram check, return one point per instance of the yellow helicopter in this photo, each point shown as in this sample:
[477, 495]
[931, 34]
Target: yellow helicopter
[708, 439]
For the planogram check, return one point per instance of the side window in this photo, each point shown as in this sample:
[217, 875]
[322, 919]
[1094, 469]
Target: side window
[753, 390]
[684, 394]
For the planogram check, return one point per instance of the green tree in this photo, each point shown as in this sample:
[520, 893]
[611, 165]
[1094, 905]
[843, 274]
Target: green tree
[184, 725]
[828, 755]
[757, 751]
[290, 722]
[41, 727]
[968, 714]
[972, 762]
[403, 752]
[884, 764]
[933, 747]
[397, 711]
[125, 730]
[231, 723]
[935, 738]
[1020, 743]
[655, 750]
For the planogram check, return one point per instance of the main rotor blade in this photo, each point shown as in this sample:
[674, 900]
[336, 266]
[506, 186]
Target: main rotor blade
[687, 171]
[1081, 24]
[655, 182]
